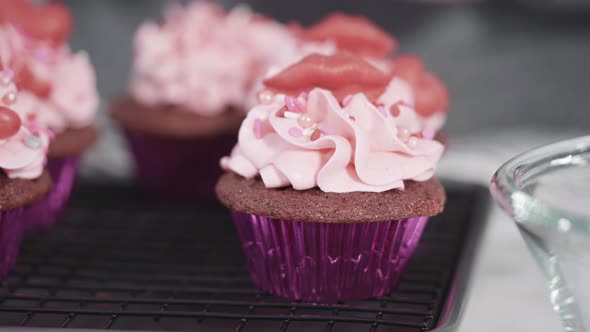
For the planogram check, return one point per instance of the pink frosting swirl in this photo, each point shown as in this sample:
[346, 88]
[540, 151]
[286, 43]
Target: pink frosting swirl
[204, 59]
[23, 155]
[314, 140]
[57, 87]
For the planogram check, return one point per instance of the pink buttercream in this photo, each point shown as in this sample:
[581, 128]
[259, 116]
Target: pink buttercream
[204, 59]
[400, 90]
[352, 148]
[71, 100]
[23, 155]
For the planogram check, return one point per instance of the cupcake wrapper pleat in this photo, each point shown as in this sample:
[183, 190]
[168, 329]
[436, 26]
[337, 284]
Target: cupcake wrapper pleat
[44, 213]
[327, 262]
[12, 229]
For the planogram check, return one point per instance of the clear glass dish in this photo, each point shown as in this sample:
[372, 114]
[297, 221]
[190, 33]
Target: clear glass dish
[547, 193]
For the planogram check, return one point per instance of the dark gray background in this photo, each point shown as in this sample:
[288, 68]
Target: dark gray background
[505, 64]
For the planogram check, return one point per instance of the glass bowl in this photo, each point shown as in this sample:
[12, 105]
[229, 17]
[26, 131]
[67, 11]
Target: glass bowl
[547, 193]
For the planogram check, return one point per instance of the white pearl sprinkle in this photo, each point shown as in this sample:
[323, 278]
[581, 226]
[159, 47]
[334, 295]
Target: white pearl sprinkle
[265, 97]
[404, 133]
[412, 142]
[291, 115]
[9, 98]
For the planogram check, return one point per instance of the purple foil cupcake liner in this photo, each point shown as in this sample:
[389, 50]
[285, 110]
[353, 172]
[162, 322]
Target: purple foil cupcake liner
[327, 262]
[179, 168]
[46, 212]
[12, 228]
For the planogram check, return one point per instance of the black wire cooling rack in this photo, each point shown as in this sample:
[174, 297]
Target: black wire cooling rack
[123, 262]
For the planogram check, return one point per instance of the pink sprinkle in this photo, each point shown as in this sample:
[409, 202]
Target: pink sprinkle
[346, 100]
[295, 132]
[42, 54]
[289, 103]
[303, 95]
[299, 106]
[258, 128]
[429, 133]
[294, 105]
[7, 72]
[382, 110]
[35, 127]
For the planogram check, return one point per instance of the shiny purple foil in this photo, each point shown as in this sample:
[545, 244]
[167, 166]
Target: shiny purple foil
[12, 229]
[177, 168]
[45, 213]
[327, 262]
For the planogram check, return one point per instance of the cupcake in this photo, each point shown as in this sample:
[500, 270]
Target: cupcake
[191, 76]
[23, 181]
[57, 90]
[330, 191]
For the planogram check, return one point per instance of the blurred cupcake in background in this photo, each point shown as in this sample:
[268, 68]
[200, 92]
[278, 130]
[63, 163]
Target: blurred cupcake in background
[329, 190]
[23, 181]
[192, 74]
[57, 89]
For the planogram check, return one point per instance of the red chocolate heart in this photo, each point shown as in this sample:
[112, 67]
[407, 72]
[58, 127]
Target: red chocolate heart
[430, 93]
[353, 33]
[342, 73]
[51, 21]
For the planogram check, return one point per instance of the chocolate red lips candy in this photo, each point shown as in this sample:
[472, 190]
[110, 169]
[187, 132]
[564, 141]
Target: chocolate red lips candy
[342, 73]
[352, 33]
[431, 95]
[50, 21]
[9, 123]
